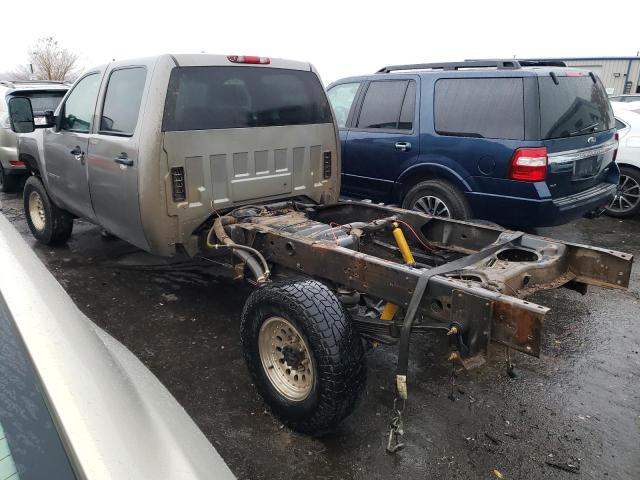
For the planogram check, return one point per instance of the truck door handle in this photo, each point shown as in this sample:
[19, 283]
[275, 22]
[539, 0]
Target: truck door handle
[78, 154]
[123, 159]
[403, 146]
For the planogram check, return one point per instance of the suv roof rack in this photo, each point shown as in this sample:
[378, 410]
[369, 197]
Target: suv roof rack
[499, 64]
[528, 62]
[510, 64]
[542, 63]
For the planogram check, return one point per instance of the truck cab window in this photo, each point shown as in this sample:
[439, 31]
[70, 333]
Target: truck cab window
[80, 105]
[122, 101]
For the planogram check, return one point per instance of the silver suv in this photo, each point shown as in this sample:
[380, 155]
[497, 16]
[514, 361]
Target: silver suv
[44, 96]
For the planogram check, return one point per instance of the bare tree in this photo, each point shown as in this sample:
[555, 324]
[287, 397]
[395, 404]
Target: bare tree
[49, 62]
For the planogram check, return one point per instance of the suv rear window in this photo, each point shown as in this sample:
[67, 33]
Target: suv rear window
[575, 106]
[202, 98]
[42, 101]
[480, 107]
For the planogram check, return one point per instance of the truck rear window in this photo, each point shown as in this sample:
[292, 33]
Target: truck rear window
[203, 98]
[575, 106]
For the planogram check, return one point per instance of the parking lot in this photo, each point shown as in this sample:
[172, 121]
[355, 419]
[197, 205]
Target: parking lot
[578, 405]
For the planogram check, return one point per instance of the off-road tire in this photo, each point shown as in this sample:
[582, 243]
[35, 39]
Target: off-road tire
[8, 183]
[337, 352]
[58, 223]
[445, 191]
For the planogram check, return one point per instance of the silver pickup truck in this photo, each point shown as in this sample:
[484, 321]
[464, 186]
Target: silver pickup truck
[234, 162]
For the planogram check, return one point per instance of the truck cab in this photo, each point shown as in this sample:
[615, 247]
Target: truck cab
[150, 148]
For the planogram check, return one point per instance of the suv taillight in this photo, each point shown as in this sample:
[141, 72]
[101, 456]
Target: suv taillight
[529, 164]
[617, 143]
[177, 179]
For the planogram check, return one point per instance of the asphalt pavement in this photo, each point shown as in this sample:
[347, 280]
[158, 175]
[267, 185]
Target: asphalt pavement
[574, 413]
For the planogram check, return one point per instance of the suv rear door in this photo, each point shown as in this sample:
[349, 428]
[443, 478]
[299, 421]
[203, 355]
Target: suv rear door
[577, 127]
[384, 137]
[113, 153]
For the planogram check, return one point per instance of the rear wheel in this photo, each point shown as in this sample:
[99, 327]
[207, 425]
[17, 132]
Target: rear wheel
[626, 203]
[438, 198]
[8, 183]
[305, 356]
[48, 223]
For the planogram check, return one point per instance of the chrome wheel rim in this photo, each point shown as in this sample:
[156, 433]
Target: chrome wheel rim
[627, 196]
[36, 211]
[433, 206]
[286, 358]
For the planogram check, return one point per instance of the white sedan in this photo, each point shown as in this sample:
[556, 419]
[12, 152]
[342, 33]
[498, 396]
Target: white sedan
[627, 201]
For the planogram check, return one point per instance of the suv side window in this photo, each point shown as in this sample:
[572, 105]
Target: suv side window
[408, 108]
[383, 103]
[480, 107]
[81, 103]
[341, 98]
[122, 101]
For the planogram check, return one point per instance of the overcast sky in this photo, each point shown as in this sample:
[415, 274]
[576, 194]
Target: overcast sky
[340, 38]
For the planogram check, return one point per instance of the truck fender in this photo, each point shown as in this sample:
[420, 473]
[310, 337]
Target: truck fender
[28, 153]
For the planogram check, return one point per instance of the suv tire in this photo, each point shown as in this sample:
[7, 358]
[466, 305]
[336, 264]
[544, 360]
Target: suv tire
[439, 198]
[303, 325]
[8, 183]
[48, 223]
[626, 203]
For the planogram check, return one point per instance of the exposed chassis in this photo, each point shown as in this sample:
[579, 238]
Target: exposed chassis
[469, 280]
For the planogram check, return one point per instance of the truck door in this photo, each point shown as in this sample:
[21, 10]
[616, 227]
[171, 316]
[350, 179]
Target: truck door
[382, 141]
[113, 159]
[66, 148]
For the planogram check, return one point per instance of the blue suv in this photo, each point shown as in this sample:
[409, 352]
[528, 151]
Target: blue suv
[519, 143]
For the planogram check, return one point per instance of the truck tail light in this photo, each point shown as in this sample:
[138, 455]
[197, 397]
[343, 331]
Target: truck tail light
[177, 180]
[616, 140]
[326, 164]
[20, 163]
[249, 59]
[529, 164]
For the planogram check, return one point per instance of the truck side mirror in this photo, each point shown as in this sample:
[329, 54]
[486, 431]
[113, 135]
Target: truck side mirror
[21, 115]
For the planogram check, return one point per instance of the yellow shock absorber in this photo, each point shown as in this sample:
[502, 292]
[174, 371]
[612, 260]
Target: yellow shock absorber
[407, 256]
[390, 309]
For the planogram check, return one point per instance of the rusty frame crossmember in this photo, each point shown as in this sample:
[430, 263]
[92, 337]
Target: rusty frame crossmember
[481, 291]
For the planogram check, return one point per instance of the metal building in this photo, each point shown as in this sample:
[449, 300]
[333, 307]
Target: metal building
[618, 74]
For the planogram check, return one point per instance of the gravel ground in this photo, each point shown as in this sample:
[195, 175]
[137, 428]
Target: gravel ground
[578, 404]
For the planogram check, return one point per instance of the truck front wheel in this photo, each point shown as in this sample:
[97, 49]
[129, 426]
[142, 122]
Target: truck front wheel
[48, 223]
[305, 357]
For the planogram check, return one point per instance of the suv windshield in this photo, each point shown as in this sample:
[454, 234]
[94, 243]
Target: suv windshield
[202, 98]
[575, 106]
[42, 101]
